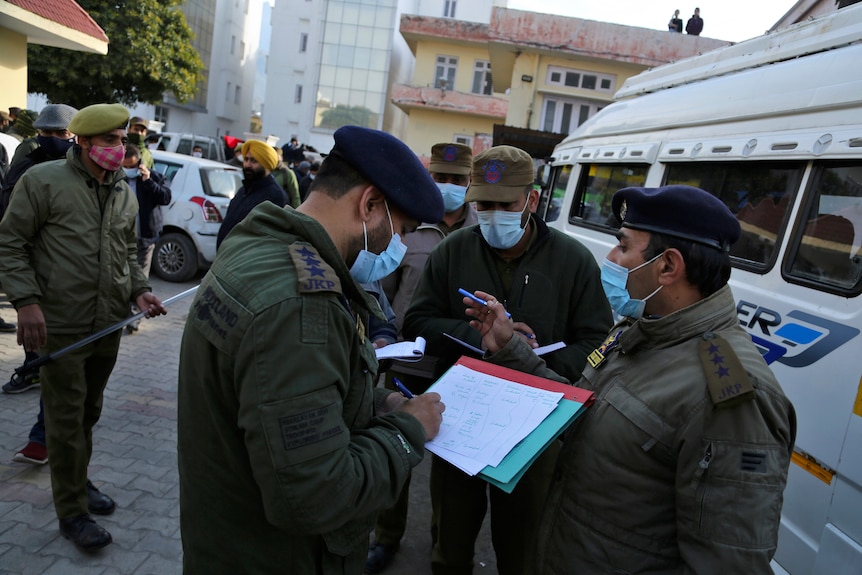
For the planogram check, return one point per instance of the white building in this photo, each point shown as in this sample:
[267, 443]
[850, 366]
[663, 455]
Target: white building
[227, 37]
[333, 62]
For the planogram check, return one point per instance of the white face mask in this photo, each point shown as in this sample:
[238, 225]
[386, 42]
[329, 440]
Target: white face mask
[197, 154]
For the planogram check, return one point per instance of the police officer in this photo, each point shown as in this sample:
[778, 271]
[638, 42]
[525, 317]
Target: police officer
[680, 465]
[73, 236]
[286, 452]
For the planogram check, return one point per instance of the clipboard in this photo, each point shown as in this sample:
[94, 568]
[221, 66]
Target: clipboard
[575, 401]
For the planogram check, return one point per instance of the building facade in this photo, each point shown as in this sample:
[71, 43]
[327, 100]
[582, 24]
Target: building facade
[334, 62]
[524, 78]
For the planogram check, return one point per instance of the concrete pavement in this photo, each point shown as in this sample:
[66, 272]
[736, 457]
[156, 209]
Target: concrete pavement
[134, 461]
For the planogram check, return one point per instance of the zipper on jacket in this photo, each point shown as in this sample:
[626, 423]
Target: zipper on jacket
[523, 290]
[703, 467]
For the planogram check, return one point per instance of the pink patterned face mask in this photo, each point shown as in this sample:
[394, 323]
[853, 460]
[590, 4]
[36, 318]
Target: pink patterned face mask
[108, 158]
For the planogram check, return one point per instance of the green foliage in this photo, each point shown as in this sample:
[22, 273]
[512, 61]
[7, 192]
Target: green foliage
[150, 52]
[342, 115]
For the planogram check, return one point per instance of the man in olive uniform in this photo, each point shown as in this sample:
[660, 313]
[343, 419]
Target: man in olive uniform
[68, 258]
[554, 291]
[680, 465]
[286, 451]
[138, 128]
[449, 167]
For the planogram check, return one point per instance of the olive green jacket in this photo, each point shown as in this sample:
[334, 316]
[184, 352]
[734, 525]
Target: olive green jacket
[69, 244]
[659, 476]
[283, 463]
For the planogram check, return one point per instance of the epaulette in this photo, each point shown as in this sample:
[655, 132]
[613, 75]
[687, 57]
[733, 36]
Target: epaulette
[726, 378]
[312, 272]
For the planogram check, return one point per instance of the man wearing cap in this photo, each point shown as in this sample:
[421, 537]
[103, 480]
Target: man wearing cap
[54, 139]
[286, 451]
[258, 161]
[449, 167]
[67, 259]
[138, 128]
[680, 465]
[552, 286]
[24, 131]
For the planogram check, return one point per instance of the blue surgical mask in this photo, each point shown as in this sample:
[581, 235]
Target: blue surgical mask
[453, 195]
[132, 173]
[54, 147]
[502, 229]
[370, 267]
[614, 281]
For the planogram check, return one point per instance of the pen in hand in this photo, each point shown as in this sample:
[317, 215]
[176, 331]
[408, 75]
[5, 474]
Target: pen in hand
[403, 389]
[480, 301]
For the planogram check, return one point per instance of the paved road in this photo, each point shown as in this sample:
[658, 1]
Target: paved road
[134, 461]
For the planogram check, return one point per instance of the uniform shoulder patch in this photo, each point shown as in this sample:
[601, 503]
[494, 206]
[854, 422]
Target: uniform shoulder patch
[726, 378]
[313, 273]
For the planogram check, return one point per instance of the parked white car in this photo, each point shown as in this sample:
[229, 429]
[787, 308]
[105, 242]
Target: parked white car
[201, 192]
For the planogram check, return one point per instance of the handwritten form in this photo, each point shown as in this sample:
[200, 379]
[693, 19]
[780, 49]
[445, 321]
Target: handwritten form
[486, 417]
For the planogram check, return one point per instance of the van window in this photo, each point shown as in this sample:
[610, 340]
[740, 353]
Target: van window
[596, 187]
[758, 193]
[552, 200]
[827, 246]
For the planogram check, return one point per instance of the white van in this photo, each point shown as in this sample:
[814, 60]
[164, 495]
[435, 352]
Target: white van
[773, 127]
[211, 148]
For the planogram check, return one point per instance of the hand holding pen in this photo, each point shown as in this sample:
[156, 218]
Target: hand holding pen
[427, 408]
[486, 309]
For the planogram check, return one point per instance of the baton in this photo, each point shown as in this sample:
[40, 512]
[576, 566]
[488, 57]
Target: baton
[35, 364]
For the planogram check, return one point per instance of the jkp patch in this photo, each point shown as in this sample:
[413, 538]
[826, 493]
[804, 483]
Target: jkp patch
[493, 171]
[313, 273]
[726, 378]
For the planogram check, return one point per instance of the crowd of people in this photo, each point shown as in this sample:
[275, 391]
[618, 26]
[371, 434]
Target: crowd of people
[294, 448]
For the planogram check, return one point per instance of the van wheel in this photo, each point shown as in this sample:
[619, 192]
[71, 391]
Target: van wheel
[175, 258]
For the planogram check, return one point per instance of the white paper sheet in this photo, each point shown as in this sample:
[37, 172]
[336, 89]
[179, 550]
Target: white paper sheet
[403, 350]
[487, 416]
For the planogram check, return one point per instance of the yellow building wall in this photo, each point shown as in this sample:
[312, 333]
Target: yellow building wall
[526, 98]
[426, 63]
[428, 127]
[13, 69]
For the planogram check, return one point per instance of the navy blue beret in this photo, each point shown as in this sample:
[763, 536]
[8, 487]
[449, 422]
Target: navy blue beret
[393, 168]
[679, 211]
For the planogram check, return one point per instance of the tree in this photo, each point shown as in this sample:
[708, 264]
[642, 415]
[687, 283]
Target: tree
[150, 52]
[343, 115]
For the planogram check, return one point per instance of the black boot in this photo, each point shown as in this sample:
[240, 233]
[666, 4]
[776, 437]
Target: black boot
[85, 533]
[98, 502]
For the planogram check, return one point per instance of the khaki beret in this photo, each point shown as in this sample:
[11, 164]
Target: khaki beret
[263, 153]
[500, 174]
[99, 119]
[451, 159]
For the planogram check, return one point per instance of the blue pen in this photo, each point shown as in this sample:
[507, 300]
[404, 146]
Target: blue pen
[404, 391]
[465, 293]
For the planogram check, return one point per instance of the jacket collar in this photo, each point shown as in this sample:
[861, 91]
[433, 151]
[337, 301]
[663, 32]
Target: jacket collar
[709, 314]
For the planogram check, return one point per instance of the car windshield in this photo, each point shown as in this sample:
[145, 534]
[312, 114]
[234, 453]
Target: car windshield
[221, 182]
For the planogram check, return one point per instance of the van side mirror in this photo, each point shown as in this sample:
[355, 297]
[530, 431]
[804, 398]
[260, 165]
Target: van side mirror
[543, 175]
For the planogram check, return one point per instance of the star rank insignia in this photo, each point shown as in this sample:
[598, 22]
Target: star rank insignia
[313, 273]
[726, 378]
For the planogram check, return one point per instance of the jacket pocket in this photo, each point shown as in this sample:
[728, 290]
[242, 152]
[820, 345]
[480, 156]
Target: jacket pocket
[738, 493]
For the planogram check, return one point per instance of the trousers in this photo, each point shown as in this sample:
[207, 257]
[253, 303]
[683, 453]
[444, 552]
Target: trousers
[459, 503]
[72, 387]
